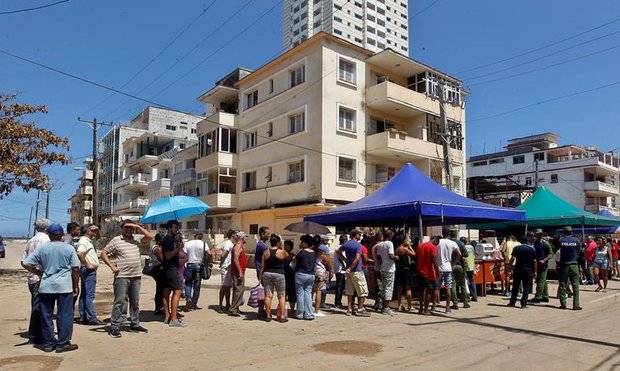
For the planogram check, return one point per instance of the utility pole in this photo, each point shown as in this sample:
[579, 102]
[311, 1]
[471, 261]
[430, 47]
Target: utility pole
[30, 221]
[447, 135]
[94, 125]
[47, 202]
[36, 210]
[536, 175]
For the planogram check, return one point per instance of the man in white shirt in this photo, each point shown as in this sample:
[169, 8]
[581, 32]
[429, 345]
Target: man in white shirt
[387, 269]
[197, 252]
[447, 251]
[224, 273]
[89, 259]
[40, 238]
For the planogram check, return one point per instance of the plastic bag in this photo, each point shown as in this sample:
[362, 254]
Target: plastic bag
[257, 293]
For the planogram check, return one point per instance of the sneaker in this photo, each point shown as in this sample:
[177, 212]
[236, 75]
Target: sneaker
[577, 308]
[319, 314]
[388, 312]
[138, 328]
[67, 348]
[115, 333]
[95, 322]
[44, 348]
[177, 323]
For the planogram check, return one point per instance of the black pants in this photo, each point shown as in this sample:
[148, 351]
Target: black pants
[35, 333]
[339, 289]
[521, 277]
[159, 290]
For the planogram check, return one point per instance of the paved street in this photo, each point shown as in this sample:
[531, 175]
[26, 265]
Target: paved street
[487, 336]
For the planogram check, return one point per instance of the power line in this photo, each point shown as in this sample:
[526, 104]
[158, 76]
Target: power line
[539, 48]
[34, 8]
[544, 102]
[424, 10]
[154, 58]
[188, 53]
[546, 67]
[543, 57]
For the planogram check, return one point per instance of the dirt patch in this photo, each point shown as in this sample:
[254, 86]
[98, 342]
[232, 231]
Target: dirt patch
[13, 275]
[39, 363]
[349, 347]
[103, 307]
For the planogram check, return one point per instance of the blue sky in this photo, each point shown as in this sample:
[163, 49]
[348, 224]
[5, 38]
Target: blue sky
[110, 41]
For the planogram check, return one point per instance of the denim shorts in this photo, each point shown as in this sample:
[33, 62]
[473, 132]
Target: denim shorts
[601, 264]
[445, 280]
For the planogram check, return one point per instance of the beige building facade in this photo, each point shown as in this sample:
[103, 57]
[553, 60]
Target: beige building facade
[81, 201]
[323, 124]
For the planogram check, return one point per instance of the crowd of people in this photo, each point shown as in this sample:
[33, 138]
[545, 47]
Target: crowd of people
[380, 265]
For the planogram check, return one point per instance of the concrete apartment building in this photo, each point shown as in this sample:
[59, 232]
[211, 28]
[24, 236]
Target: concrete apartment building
[372, 24]
[81, 201]
[584, 176]
[135, 159]
[323, 124]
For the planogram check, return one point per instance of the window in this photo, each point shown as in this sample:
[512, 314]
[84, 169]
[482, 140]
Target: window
[496, 161]
[554, 178]
[479, 163]
[358, 16]
[358, 28]
[269, 176]
[296, 172]
[528, 181]
[380, 45]
[296, 123]
[250, 140]
[317, 24]
[381, 22]
[370, 6]
[249, 181]
[338, 19]
[298, 76]
[251, 99]
[271, 86]
[253, 229]
[270, 129]
[337, 32]
[317, 11]
[346, 169]
[358, 40]
[370, 41]
[193, 131]
[346, 119]
[379, 125]
[370, 29]
[381, 11]
[540, 156]
[384, 173]
[370, 17]
[381, 34]
[346, 71]
[171, 127]
[518, 160]
[303, 15]
[228, 140]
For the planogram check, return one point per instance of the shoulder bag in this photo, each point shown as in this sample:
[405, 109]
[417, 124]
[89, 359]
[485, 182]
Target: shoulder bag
[206, 267]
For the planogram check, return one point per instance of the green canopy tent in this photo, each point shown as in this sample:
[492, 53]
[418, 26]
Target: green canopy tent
[544, 209]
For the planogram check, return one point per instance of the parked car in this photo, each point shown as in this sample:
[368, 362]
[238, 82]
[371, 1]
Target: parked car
[2, 249]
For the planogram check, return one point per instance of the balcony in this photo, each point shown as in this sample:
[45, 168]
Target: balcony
[159, 184]
[88, 175]
[144, 160]
[600, 189]
[402, 102]
[220, 200]
[135, 181]
[87, 190]
[187, 175]
[87, 205]
[398, 144]
[135, 205]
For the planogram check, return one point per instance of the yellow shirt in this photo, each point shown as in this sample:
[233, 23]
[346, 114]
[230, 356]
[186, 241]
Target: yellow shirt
[508, 247]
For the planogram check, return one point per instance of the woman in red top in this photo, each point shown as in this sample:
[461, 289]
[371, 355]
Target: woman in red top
[614, 254]
[238, 264]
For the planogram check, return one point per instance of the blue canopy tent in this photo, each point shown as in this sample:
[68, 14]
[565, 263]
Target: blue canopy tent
[412, 198]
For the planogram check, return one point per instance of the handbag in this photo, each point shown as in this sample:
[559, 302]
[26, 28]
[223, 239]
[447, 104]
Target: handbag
[257, 293]
[206, 267]
[150, 268]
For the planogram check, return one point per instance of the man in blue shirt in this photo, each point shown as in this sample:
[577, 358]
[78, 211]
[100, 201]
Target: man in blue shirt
[261, 246]
[57, 264]
[524, 270]
[569, 269]
[355, 280]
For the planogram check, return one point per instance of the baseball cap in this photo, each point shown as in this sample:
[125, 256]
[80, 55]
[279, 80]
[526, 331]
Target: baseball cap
[55, 229]
[324, 249]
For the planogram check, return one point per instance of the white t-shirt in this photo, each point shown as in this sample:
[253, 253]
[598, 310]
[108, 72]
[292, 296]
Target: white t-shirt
[195, 250]
[384, 249]
[34, 243]
[445, 251]
[227, 247]
[85, 245]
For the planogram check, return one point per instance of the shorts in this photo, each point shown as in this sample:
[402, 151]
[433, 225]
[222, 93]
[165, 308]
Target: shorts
[427, 283]
[445, 280]
[320, 281]
[274, 281]
[356, 284]
[387, 283]
[225, 277]
[172, 279]
[403, 278]
[601, 265]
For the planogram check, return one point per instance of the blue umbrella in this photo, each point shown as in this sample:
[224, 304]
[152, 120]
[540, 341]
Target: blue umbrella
[173, 207]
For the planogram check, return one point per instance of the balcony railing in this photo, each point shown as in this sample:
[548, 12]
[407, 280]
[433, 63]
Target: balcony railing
[135, 204]
[184, 176]
[602, 188]
[135, 179]
[393, 143]
[159, 184]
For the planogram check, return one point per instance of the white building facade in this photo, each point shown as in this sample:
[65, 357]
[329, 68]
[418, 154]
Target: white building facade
[81, 202]
[583, 176]
[323, 124]
[372, 24]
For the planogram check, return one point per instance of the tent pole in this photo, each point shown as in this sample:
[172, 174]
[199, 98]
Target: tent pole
[420, 226]
[583, 233]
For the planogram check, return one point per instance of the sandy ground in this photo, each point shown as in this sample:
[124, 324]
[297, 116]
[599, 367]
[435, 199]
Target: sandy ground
[487, 336]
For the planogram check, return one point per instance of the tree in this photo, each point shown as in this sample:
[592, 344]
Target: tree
[25, 148]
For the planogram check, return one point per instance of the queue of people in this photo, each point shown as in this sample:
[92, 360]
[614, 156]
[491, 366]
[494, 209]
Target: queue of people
[382, 265]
